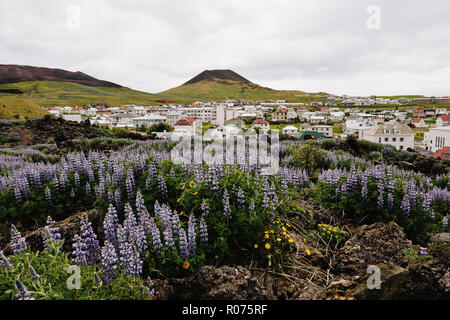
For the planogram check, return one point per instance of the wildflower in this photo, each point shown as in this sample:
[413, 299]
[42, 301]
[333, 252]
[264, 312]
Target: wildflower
[308, 252]
[290, 240]
[256, 246]
[18, 243]
[33, 274]
[267, 246]
[109, 262]
[191, 184]
[22, 292]
[278, 239]
[186, 264]
[203, 232]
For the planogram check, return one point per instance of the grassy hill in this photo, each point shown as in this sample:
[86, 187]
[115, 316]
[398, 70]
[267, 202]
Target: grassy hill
[219, 89]
[37, 94]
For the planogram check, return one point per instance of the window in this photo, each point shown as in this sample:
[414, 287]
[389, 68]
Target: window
[379, 140]
[402, 139]
[401, 147]
[394, 139]
[386, 139]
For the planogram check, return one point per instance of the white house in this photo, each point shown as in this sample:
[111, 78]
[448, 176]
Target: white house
[325, 130]
[261, 123]
[437, 138]
[392, 133]
[419, 123]
[290, 131]
[148, 120]
[443, 120]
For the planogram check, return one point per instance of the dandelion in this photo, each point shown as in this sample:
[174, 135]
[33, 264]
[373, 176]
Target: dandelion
[256, 246]
[186, 264]
[308, 252]
[267, 246]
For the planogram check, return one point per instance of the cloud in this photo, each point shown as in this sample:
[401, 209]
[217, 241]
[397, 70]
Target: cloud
[323, 45]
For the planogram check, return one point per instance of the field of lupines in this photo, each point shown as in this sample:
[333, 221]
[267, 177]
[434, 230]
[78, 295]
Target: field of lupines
[160, 217]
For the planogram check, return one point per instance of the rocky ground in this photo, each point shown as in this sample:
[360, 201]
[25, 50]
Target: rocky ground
[328, 273]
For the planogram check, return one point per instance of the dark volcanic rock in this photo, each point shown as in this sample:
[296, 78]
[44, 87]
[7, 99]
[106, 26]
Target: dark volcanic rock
[11, 73]
[211, 283]
[371, 245]
[210, 75]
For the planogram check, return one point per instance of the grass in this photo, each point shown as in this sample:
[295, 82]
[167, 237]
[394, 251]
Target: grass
[223, 89]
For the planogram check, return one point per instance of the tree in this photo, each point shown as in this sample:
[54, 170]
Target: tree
[160, 127]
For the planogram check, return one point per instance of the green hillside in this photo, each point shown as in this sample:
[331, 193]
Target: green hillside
[219, 89]
[37, 94]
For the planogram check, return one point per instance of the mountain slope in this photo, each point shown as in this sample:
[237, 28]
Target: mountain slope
[13, 73]
[223, 84]
[38, 94]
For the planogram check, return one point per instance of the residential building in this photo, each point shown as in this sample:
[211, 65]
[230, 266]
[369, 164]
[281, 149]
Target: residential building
[437, 138]
[261, 123]
[148, 120]
[443, 153]
[419, 123]
[280, 115]
[443, 120]
[393, 133]
[290, 131]
[325, 130]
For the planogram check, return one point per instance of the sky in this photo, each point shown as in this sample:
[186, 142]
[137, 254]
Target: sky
[354, 47]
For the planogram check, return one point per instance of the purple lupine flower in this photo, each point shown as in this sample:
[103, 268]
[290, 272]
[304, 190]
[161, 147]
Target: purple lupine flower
[88, 189]
[156, 237]
[251, 206]
[380, 202]
[203, 232]
[33, 274]
[205, 208]
[110, 226]
[405, 206]
[226, 204]
[423, 251]
[79, 254]
[184, 253]
[76, 179]
[139, 202]
[90, 240]
[109, 262]
[48, 196]
[22, 292]
[130, 260]
[240, 198]
[192, 246]
[168, 237]
[18, 243]
[162, 188]
[4, 261]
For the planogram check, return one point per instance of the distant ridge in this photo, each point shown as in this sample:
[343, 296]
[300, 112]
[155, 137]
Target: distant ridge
[211, 75]
[13, 73]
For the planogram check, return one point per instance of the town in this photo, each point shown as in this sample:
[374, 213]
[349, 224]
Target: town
[421, 125]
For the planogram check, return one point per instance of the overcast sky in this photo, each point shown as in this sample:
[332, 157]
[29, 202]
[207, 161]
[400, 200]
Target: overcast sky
[322, 45]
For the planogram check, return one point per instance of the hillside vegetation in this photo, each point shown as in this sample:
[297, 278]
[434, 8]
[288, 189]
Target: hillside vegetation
[38, 94]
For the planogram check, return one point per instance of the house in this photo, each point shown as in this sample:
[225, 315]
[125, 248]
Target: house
[418, 113]
[443, 120]
[290, 131]
[437, 138]
[280, 115]
[185, 125]
[324, 130]
[357, 126]
[261, 123]
[291, 114]
[443, 153]
[173, 116]
[419, 123]
[393, 133]
[148, 120]
[239, 123]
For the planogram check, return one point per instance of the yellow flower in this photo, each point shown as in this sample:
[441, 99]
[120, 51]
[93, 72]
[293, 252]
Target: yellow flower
[278, 239]
[181, 213]
[283, 228]
[178, 200]
[288, 225]
[308, 252]
[184, 186]
[256, 246]
[271, 231]
[288, 235]
[186, 264]
[195, 193]
[284, 233]
[267, 246]
[266, 236]
[290, 240]
[191, 183]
